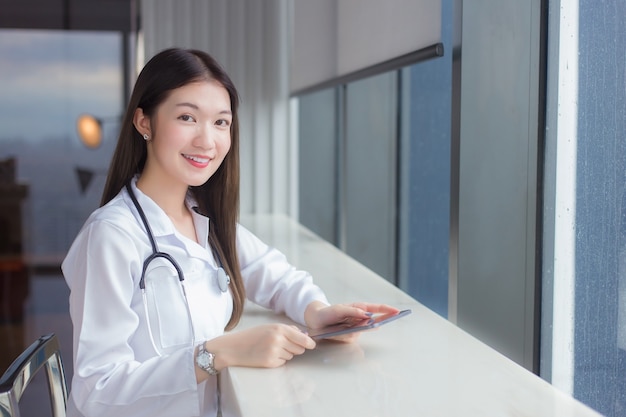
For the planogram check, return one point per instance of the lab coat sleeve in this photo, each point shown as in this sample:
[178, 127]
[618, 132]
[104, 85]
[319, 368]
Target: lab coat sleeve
[109, 379]
[271, 281]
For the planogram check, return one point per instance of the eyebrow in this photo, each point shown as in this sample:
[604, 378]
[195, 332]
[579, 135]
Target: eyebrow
[195, 107]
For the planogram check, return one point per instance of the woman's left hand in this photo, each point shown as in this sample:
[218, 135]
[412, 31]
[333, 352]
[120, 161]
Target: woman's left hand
[318, 315]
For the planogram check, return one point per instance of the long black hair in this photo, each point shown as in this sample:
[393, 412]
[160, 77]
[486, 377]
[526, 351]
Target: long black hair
[218, 198]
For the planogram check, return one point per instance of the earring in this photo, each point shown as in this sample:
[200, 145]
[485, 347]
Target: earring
[146, 136]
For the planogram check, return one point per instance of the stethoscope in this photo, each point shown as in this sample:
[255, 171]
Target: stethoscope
[223, 280]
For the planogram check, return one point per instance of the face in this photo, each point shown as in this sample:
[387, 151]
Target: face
[189, 135]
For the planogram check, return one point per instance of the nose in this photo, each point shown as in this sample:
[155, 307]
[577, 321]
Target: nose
[206, 137]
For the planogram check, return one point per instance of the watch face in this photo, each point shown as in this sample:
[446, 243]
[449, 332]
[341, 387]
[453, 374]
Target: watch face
[204, 359]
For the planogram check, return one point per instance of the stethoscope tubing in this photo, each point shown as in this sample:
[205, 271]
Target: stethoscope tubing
[157, 254]
[222, 278]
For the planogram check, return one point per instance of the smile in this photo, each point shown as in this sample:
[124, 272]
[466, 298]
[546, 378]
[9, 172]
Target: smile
[197, 159]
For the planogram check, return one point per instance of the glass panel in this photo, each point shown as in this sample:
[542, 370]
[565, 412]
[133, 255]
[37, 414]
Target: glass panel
[49, 181]
[49, 79]
[318, 159]
[348, 181]
[370, 197]
[426, 182]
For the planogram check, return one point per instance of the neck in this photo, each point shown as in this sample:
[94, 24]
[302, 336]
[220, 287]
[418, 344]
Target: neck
[171, 199]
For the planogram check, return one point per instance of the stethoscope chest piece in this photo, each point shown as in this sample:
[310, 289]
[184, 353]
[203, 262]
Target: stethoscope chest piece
[222, 279]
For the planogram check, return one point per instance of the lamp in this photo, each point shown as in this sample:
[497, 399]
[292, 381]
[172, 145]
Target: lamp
[89, 129]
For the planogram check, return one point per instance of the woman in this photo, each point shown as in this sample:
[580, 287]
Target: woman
[162, 268]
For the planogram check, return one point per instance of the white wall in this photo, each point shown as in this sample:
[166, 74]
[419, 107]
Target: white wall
[334, 38]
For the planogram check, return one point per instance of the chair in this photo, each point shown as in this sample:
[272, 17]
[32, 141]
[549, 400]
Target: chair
[43, 353]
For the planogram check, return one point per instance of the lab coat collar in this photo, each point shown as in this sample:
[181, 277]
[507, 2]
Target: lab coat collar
[200, 221]
[162, 226]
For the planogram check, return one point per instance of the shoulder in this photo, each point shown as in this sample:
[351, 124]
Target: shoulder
[110, 242]
[246, 237]
[115, 212]
[114, 219]
[249, 247]
[110, 228]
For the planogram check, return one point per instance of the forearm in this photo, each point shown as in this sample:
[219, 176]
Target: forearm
[266, 346]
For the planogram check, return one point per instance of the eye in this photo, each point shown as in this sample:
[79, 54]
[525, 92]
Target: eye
[187, 118]
[223, 122]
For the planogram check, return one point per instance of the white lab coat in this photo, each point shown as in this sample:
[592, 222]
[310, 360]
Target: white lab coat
[117, 370]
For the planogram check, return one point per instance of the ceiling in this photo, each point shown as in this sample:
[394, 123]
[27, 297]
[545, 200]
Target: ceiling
[67, 14]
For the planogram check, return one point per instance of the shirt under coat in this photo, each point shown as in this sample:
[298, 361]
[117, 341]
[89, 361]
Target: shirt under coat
[117, 370]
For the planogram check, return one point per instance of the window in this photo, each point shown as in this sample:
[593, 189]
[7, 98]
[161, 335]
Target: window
[584, 313]
[49, 78]
[49, 181]
[348, 150]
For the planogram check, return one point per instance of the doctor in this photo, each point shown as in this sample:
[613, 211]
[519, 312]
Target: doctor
[162, 268]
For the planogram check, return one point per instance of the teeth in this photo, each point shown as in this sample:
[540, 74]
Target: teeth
[196, 159]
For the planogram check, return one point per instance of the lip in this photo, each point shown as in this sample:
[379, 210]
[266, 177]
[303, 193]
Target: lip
[198, 161]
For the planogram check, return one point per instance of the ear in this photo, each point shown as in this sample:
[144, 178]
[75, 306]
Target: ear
[142, 122]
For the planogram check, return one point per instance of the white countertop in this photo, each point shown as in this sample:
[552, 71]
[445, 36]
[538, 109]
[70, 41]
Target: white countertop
[421, 365]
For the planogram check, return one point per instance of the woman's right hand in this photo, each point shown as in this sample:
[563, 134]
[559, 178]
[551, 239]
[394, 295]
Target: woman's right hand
[266, 346]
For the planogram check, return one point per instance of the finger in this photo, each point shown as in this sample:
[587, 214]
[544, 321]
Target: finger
[376, 308]
[300, 338]
[294, 349]
[275, 363]
[347, 313]
[285, 355]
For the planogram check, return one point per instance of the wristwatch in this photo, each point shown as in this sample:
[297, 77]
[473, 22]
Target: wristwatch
[205, 360]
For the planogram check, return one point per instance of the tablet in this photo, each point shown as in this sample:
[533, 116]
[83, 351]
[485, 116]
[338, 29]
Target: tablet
[344, 328]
